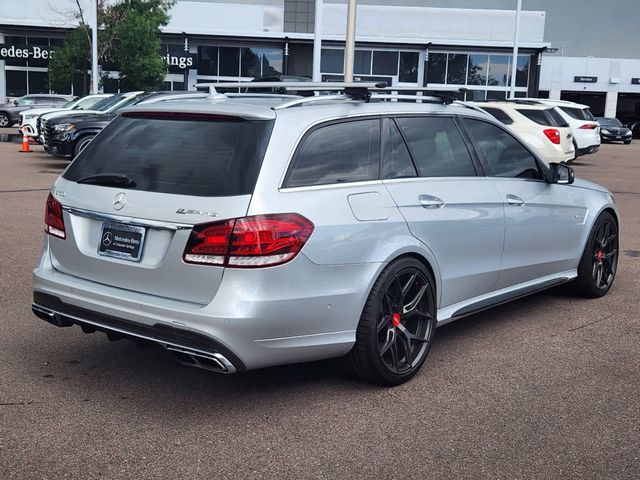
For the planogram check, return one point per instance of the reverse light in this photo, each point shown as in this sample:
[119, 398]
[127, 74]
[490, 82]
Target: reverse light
[248, 242]
[553, 135]
[588, 126]
[53, 219]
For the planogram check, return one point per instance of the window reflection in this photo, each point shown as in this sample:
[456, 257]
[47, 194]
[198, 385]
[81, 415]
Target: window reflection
[436, 67]
[457, 68]
[499, 70]
[478, 66]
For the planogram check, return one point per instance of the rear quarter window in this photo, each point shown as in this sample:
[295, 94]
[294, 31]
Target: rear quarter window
[337, 153]
[185, 155]
[499, 115]
[583, 114]
[547, 117]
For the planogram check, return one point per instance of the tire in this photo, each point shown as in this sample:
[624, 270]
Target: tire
[627, 142]
[575, 155]
[5, 121]
[599, 262]
[396, 328]
[81, 143]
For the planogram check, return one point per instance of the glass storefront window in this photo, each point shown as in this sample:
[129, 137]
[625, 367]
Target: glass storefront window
[385, 63]
[478, 66]
[457, 68]
[499, 68]
[229, 65]
[522, 71]
[332, 60]
[408, 67]
[272, 59]
[250, 62]
[496, 95]
[16, 83]
[208, 60]
[436, 68]
[362, 62]
[38, 82]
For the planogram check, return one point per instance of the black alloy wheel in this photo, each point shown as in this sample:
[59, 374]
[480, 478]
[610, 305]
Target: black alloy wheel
[397, 325]
[605, 255]
[404, 324]
[599, 263]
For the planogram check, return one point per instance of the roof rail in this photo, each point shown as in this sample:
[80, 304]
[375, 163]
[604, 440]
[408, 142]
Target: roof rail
[355, 90]
[305, 100]
[445, 96]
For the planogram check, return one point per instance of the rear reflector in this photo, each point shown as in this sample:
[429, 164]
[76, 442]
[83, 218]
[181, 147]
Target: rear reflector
[588, 126]
[248, 242]
[553, 135]
[53, 219]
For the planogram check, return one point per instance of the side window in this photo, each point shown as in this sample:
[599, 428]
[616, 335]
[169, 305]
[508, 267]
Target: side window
[437, 147]
[26, 101]
[504, 155]
[396, 161]
[338, 153]
[499, 115]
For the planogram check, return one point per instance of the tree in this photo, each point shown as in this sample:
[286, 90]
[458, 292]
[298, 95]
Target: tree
[128, 42]
[132, 29]
[70, 61]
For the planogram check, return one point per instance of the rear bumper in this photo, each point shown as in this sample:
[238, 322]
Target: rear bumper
[294, 313]
[588, 150]
[203, 351]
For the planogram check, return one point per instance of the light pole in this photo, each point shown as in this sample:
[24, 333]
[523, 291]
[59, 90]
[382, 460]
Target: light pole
[350, 44]
[514, 61]
[94, 51]
[317, 41]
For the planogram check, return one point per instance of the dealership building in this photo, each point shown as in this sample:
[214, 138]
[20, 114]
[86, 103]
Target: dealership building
[577, 51]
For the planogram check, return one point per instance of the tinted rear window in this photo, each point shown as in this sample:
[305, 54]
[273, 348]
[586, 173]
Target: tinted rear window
[547, 118]
[579, 113]
[185, 156]
[499, 115]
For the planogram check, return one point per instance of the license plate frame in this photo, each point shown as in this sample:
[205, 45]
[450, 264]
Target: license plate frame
[128, 241]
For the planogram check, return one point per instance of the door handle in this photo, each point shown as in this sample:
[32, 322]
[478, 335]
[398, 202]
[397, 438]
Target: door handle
[514, 200]
[429, 201]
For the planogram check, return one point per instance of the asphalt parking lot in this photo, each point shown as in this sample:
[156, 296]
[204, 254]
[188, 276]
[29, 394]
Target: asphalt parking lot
[546, 387]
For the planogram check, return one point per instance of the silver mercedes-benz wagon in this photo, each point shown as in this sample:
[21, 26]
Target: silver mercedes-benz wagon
[250, 230]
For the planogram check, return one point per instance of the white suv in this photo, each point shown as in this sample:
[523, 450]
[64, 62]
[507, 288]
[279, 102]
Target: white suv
[584, 126]
[540, 125]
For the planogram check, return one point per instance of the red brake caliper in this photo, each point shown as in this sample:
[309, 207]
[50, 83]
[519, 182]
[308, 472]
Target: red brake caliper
[599, 255]
[395, 320]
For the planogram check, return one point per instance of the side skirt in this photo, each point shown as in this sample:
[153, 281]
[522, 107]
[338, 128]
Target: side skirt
[484, 302]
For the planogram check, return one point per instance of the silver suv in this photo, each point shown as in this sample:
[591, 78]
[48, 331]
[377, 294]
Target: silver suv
[244, 231]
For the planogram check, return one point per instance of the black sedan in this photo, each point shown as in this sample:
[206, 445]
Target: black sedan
[612, 130]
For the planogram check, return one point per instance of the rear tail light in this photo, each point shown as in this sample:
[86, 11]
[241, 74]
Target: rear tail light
[53, 220]
[553, 135]
[588, 126]
[248, 242]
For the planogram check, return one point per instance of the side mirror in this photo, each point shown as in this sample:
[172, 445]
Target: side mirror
[561, 174]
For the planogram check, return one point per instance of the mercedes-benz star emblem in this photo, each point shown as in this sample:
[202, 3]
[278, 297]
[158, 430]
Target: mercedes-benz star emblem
[119, 201]
[107, 238]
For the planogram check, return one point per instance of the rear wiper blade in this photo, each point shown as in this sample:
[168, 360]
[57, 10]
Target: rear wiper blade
[109, 179]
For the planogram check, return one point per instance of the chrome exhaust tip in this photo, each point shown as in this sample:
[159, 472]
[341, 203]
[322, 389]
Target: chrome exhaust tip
[214, 362]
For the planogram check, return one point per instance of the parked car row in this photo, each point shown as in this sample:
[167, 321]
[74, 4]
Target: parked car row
[560, 131]
[295, 229]
[65, 133]
[9, 112]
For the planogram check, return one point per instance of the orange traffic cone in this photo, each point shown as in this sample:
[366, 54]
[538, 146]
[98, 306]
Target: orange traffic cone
[25, 143]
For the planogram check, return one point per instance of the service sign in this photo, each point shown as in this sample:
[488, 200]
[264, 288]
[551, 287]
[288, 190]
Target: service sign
[25, 52]
[581, 79]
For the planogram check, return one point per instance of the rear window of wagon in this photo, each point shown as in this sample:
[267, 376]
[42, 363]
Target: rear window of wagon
[184, 154]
